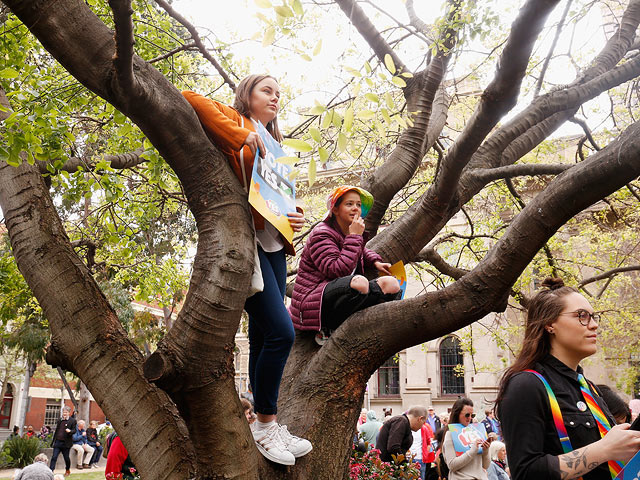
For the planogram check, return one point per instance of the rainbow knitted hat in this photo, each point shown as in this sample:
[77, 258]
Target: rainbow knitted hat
[366, 199]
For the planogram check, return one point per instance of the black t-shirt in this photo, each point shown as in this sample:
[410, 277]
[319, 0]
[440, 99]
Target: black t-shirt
[527, 423]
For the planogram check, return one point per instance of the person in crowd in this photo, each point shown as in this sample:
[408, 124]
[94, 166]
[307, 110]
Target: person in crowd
[81, 446]
[634, 406]
[63, 440]
[369, 430]
[472, 463]
[330, 285]
[247, 408]
[396, 437]
[271, 333]
[29, 433]
[444, 417]
[363, 416]
[570, 432]
[617, 406]
[491, 423]
[433, 420]
[422, 450]
[388, 414]
[15, 432]
[38, 470]
[441, 466]
[498, 469]
[118, 460]
[44, 431]
[94, 442]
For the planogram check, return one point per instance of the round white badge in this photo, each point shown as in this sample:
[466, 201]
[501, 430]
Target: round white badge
[581, 406]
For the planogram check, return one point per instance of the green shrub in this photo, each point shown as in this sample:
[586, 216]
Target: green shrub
[21, 451]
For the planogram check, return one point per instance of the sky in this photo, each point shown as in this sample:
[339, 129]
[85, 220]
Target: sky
[318, 80]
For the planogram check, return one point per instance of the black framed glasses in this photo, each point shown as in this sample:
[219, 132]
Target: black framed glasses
[584, 317]
[467, 415]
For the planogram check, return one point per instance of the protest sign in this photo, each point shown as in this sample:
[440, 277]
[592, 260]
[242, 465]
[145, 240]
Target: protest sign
[271, 192]
[463, 437]
[397, 270]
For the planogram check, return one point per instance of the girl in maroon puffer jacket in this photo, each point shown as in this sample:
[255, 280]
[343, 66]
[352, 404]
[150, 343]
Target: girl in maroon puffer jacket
[330, 285]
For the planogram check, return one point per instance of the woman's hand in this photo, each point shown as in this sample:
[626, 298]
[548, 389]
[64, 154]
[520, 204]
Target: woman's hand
[357, 226]
[254, 142]
[296, 220]
[621, 442]
[383, 267]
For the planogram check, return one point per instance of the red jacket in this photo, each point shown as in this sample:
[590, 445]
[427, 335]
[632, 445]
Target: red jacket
[428, 455]
[327, 255]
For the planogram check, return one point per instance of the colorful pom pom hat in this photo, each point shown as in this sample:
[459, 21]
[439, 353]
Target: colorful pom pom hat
[366, 199]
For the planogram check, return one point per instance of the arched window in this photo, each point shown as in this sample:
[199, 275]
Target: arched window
[451, 367]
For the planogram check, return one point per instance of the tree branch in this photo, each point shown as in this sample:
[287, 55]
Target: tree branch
[545, 65]
[123, 57]
[429, 254]
[414, 20]
[119, 162]
[186, 46]
[499, 97]
[487, 175]
[370, 33]
[608, 274]
[198, 42]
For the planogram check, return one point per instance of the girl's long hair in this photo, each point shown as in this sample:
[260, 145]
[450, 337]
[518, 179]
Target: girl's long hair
[243, 97]
[456, 410]
[544, 308]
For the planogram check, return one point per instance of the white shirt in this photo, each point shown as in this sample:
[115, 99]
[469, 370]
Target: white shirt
[416, 446]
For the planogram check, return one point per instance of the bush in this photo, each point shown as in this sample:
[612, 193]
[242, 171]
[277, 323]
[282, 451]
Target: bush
[364, 466]
[21, 451]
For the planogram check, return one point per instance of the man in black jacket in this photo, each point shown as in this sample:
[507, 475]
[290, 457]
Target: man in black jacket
[63, 440]
[395, 436]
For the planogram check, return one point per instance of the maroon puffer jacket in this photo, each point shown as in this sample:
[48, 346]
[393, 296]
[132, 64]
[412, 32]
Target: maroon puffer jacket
[328, 255]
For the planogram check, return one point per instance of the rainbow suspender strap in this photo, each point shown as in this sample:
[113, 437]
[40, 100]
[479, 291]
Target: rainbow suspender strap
[596, 411]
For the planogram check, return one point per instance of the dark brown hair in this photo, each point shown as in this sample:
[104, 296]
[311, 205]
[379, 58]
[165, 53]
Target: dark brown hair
[617, 406]
[456, 410]
[543, 309]
[243, 97]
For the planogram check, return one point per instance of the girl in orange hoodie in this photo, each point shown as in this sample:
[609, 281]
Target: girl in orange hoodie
[271, 332]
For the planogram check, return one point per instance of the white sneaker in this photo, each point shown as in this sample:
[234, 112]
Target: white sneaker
[270, 444]
[296, 445]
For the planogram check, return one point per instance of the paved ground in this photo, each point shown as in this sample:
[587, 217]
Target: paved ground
[75, 473]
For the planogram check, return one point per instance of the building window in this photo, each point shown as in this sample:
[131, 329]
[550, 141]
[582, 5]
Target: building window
[52, 413]
[5, 407]
[451, 367]
[389, 378]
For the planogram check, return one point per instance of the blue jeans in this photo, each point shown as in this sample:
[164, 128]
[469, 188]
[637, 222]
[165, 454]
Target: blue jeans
[423, 469]
[271, 332]
[58, 447]
[96, 454]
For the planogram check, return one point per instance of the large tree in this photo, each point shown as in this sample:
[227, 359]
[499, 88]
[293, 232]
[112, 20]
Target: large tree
[178, 411]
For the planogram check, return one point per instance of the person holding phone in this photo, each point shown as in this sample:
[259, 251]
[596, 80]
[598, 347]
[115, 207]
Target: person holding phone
[471, 465]
[554, 421]
[330, 285]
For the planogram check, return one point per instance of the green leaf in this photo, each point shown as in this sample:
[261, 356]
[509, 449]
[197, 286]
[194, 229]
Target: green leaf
[372, 97]
[356, 89]
[407, 75]
[317, 48]
[8, 73]
[386, 116]
[297, 7]
[399, 82]
[288, 160]
[263, 3]
[305, 57]
[366, 114]
[336, 119]
[315, 134]
[317, 110]
[326, 120]
[348, 119]
[294, 173]
[283, 11]
[353, 71]
[388, 61]
[389, 100]
[367, 67]
[269, 36]
[342, 142]
[297, 145]
[312, 172]
[324, 154]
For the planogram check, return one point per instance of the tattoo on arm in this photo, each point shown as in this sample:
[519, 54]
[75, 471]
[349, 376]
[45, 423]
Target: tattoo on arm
[575, 464]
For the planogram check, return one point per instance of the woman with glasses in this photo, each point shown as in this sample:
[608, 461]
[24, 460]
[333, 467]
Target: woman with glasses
[554, 421]
[471, 465]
